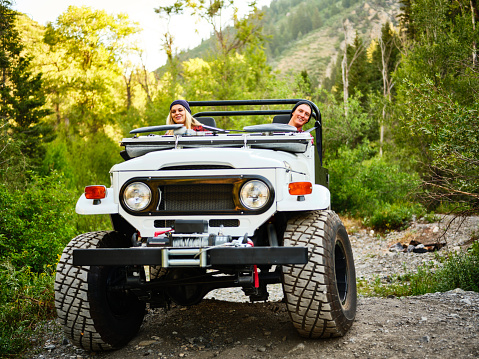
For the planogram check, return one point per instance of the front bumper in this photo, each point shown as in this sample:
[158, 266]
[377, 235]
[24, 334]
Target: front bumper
[191, 257]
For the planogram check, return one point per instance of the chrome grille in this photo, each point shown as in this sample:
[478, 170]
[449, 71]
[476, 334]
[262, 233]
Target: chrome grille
[197, 197]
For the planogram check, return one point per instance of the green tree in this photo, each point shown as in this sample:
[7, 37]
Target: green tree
[442, 42]
[304, 84]
[438, 86]
[451, 131]
[385, 60]
[87, 47]
[22, 99]
[405, 19]
[301, 22]
[358, 70]
[237, 68]
[340, 131]
[233, 34]
[352, 71]
[90, 84]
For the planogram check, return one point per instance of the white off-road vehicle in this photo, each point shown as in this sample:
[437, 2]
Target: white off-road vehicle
[197, 211]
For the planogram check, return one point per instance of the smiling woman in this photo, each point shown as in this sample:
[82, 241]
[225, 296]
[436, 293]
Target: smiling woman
[180, 113]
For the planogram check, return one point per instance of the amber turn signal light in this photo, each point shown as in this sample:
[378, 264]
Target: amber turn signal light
[95, 192]
[300, 188]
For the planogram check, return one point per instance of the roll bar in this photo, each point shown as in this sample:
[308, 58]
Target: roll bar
[225, 103]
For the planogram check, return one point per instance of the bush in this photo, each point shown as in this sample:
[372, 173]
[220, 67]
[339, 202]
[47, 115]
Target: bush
[393, 216]
[460, 270]
[365, 185]
[83, 161]
[26, 298]
[36, 222]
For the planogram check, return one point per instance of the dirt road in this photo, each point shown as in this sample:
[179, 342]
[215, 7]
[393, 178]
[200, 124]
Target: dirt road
[439, 325]
[442, 325]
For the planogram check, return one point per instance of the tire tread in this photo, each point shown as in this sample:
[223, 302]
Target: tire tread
[71, 295]
[308, 289]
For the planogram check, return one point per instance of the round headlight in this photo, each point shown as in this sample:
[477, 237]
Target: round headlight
[137, 196]
[254, 194]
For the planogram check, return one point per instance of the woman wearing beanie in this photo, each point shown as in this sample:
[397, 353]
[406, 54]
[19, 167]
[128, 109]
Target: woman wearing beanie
[180, 113]
[300, 115]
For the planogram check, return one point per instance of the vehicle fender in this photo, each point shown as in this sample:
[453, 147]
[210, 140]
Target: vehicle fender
[106, 205]
[320, 198]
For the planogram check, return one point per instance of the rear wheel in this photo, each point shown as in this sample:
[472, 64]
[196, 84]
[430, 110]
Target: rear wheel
[320, 295]
[95, 312]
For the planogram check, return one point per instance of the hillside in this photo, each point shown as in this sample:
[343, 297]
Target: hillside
[308, 34]
[316, 52]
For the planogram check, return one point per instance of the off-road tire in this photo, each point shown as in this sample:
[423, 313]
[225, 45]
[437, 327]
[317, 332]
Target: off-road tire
[320, 295]
[93, 318]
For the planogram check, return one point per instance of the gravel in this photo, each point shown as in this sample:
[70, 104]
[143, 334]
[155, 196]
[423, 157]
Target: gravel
[373, 256]
[225, 325]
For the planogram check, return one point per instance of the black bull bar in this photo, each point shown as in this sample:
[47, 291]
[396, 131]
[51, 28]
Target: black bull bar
[188, 257]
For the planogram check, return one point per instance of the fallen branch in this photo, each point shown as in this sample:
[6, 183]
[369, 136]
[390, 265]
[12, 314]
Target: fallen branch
[452, 190]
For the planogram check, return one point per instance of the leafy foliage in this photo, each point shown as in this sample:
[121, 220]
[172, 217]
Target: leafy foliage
[393, 216]
[68, 155]
[87, 46]
[90, 111]
[366, 185]
[36, 222]
[444, 48]
[238, 59]
[342, 131]
[425, 101]
[26, 299]
[438, 95]
[450, 130]
[22, 96]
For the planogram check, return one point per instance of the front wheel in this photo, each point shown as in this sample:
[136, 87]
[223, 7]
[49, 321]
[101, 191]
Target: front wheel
[96, 314]
[321, 294]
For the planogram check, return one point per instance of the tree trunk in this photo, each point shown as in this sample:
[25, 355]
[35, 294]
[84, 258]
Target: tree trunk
[145, 85]
[474, 51]
[386, 90]
[127, 79]
[344, 68]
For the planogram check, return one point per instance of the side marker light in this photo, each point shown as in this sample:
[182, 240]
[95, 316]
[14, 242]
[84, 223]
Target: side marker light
[95, 192]
[300, 188]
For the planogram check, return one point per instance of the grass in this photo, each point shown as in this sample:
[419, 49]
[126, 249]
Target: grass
[26, 299]
[352, 225]
[450, 271]
[430, 218]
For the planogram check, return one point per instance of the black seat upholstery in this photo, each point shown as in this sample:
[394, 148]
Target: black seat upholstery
[282, 118]
[208, 121]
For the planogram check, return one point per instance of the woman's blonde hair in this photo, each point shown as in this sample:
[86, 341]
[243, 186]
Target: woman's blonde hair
[189, 122]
